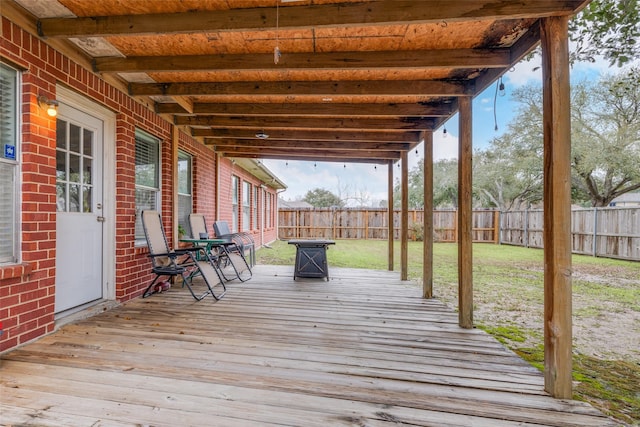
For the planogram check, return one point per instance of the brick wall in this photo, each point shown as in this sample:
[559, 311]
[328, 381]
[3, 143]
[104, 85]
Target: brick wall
[228, 169]
[27, 291]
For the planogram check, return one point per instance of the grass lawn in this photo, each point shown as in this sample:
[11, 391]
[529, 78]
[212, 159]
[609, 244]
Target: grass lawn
[508, 303]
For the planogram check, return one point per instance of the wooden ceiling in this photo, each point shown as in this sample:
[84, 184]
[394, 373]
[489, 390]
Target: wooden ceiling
[355, 81]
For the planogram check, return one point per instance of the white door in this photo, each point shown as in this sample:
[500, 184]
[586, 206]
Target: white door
[79, 228]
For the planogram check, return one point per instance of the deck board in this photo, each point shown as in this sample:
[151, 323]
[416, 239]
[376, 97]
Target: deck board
[363, 349]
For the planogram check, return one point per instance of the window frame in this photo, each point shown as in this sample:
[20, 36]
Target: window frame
[246, 205]
[183, 218]
[254, 207]
[15, 168]
[235, 189]
[146, 137]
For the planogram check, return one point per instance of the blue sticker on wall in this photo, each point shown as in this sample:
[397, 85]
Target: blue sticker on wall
[9, 152]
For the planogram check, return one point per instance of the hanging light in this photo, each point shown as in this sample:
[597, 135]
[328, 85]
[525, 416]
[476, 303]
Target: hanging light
[444, 132]
[501, 89]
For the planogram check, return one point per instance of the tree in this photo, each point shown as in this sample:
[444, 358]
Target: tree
[445, 185]
[608, 28]
[605, 153]
[507, 177]
[321, 198]
[606, 137]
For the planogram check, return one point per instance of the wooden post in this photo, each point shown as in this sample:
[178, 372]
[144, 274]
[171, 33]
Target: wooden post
[390, 214]
[404, 219]
[465, 232]
[557, 206]
[366, 224]
[496, 227]
[427, 256]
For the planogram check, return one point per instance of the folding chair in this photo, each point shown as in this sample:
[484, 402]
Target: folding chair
[243, 240]
[230, 260]
[185, 263]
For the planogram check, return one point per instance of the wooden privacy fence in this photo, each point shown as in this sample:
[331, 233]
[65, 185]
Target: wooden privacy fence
[371, 223]
[604, 232]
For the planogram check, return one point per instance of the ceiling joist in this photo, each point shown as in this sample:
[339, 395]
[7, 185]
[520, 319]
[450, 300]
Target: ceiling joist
[303, 16]
[222, 144]
[224, 122]
[388, 60]
[299, 88]
[292, 156]
[318, 154]
[342, 135]
[327, 109]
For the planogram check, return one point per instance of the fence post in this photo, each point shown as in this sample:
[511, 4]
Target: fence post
[526, 227]
[595, 231]
[496, 227]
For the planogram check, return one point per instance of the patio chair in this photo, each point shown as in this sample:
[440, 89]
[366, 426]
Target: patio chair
[186, 263]
[230, 260]
[243, 240]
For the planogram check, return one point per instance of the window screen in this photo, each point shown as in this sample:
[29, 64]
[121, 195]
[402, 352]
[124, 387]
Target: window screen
[8, 164]
[147, 178]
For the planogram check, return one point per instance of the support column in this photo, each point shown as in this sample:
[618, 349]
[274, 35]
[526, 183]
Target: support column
[427, 256]
[404, 219]
[465, 236]
[557, 206]
[390, 215]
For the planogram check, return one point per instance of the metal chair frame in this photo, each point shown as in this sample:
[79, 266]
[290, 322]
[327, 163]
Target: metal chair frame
[184, 262]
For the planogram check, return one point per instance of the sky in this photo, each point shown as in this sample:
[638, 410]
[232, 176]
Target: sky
[369, 182]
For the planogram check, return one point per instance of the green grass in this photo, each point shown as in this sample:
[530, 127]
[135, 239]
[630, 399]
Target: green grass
[508, 303]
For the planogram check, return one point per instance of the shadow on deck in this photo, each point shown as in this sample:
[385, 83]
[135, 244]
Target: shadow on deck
[363, 349]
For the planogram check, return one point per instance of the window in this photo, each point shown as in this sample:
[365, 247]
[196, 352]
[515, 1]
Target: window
[234, 203]
[147, 178]
[74, 163]
[185, 197]
[9, 214]
[267, 210]
[254, 208]
[246, 206]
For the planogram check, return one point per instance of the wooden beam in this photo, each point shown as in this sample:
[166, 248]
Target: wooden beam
[390, 211]
[293, 156]
[299, 17]
[427, 256]
[404, 217]
[311, 135]
[557, 208]
[183, 102]
[465, 222]
[525, 44]
[294, 88]
[222, 144]
[311, 153]
[327, 109]
[226, 122]
[397, 59]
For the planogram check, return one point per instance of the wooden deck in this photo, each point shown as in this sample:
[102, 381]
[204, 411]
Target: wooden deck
[363, 349]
